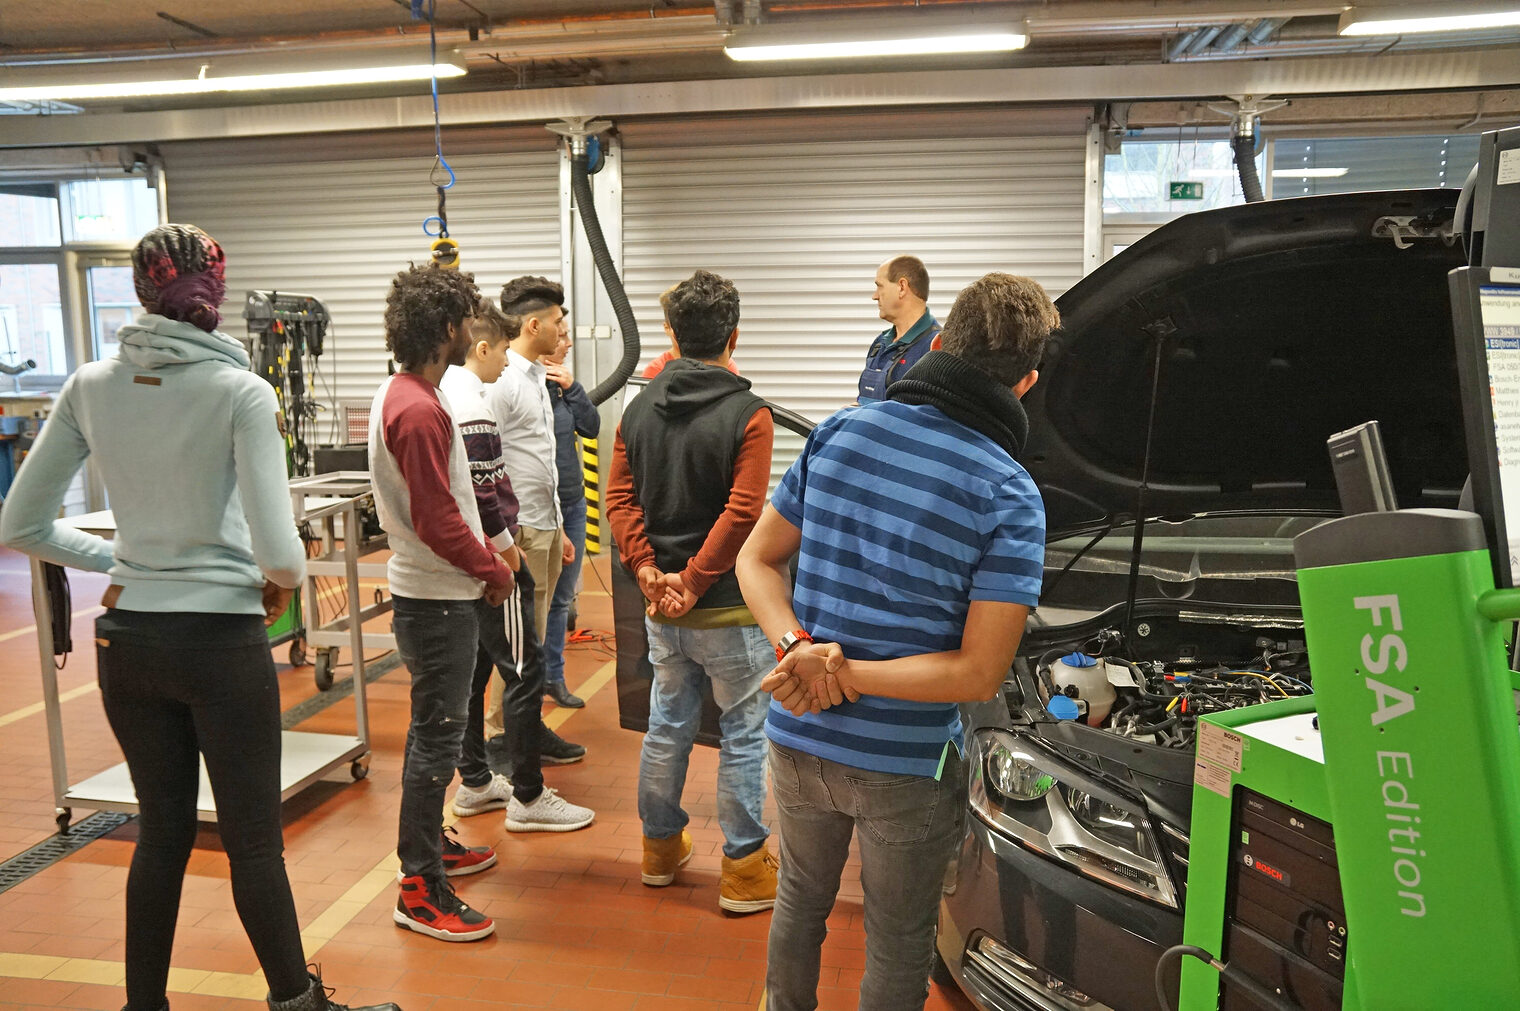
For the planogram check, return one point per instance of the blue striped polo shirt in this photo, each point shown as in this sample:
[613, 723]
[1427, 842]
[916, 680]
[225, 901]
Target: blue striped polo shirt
[906, 517]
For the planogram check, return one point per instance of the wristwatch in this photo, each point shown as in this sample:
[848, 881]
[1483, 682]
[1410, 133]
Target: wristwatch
[790, 640]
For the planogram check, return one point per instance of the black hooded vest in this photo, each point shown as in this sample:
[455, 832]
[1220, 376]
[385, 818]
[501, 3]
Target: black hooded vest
[681, 435]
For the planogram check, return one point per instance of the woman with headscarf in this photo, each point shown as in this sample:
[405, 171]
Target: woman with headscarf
[206, 554]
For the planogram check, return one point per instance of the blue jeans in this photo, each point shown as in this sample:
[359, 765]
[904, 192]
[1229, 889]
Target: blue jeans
[564, 593]
[909, 827]
[437, 640]
[734, 660]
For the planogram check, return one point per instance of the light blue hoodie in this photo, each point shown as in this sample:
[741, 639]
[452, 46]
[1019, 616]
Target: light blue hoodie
[187, 440]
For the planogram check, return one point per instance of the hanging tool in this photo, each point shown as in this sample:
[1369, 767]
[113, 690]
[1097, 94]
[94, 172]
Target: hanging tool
[444, 251]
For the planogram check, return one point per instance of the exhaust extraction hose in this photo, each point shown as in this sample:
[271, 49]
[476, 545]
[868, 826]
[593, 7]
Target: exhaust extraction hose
[580, 185]
[1245, 163]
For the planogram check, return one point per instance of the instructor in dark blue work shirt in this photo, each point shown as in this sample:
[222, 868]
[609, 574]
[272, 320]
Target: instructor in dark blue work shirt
[902, 291]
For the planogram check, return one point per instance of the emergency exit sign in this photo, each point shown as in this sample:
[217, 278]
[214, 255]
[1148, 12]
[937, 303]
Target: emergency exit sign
[1185, 191]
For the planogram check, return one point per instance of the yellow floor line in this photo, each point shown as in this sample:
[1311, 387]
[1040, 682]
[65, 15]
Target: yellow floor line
[593, 684]
[328, 924]
[37, 707]
[32, 710]
[30, 629]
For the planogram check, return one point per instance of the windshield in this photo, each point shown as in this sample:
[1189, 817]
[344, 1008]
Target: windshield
[1230, 558]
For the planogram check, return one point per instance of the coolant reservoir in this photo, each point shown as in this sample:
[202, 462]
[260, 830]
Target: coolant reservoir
[1090, 678]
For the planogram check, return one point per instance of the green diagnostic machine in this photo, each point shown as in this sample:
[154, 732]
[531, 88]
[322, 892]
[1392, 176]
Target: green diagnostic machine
[1360, 848]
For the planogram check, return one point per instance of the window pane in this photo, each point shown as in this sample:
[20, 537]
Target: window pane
[28, 215]
[113, 303]
[109, 209]
[1329, 165]
[1138, 180]
[31, 320]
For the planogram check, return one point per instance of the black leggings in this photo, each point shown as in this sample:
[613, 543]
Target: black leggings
[177, 687]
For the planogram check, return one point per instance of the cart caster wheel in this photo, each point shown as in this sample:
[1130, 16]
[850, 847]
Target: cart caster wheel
[323, 669]
[63, 816]
[360, 768]
[298, 653]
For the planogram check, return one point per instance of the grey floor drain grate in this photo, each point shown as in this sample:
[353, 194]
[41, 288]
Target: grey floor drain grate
[374, 670]
[54, 848]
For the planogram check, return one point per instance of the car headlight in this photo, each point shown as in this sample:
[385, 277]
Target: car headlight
[1013, 776]
[1021, 791]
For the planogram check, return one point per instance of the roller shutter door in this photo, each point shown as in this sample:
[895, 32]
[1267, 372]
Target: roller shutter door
[337, 217]
[800, 227]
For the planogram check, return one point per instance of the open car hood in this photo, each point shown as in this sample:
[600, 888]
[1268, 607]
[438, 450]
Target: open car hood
[1279, 323]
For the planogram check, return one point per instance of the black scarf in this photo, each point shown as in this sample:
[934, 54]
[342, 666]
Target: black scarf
[966, 394]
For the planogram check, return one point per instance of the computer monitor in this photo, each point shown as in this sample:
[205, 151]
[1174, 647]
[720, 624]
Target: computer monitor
[1486, 318]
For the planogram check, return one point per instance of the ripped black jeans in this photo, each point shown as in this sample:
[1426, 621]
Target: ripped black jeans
[436, 640]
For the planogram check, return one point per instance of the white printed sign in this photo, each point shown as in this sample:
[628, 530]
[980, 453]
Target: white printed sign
[1218, 745]
[1509, 166]
[1211, 777]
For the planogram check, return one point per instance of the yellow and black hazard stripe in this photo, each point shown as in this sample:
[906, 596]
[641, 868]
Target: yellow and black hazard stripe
[593, 496]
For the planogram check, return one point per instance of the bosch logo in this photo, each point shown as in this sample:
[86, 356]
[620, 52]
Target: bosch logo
[1267, 869]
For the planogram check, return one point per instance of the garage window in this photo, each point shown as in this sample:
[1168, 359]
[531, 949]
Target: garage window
[1171, 177]
[1347, 165]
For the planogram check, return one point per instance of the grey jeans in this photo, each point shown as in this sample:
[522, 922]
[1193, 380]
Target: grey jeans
[909, 827]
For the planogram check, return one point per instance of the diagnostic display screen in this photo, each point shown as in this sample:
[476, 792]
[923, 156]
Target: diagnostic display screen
[1500, 309]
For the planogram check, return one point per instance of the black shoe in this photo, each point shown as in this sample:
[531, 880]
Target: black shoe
[498, 757]
[319, 998]
[558, 751]
[560, 694]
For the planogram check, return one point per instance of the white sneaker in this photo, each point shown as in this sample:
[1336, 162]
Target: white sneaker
[472, 800]
[548, 813]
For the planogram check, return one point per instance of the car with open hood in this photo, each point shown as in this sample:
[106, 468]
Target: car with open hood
[1177, 434]
[1193, 384]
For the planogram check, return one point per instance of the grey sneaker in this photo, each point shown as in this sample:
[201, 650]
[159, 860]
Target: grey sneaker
[473, 800]
[549, 812]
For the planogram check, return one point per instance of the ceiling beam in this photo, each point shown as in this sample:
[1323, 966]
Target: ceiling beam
[1425, 71]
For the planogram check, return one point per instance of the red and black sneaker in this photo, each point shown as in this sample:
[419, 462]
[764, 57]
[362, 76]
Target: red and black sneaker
[438, 912]
[459, 859]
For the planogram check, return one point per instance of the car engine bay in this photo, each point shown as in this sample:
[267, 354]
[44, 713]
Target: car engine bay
[1154, 691]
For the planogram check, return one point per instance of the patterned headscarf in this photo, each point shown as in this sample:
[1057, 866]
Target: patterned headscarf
[180, 273]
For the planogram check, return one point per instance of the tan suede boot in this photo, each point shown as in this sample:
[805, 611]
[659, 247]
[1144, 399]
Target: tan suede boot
[663, 857]
[749, 883]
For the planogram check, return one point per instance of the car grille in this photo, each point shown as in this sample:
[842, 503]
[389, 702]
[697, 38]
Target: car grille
[1005, 969]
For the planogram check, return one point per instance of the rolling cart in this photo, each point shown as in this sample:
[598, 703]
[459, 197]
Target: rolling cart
[305, 757]
[320, 503]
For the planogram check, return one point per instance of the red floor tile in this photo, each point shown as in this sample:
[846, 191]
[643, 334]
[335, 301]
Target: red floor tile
[576, 928]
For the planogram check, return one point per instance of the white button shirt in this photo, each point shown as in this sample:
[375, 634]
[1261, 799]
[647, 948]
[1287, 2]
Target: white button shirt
[525, 415]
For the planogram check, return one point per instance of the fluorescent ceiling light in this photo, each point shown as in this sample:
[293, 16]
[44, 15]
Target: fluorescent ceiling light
[883, 37]
[205, 84]
[1309, 173]
[1409, 19]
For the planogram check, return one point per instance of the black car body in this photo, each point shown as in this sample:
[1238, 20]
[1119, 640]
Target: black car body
[1195, 381]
